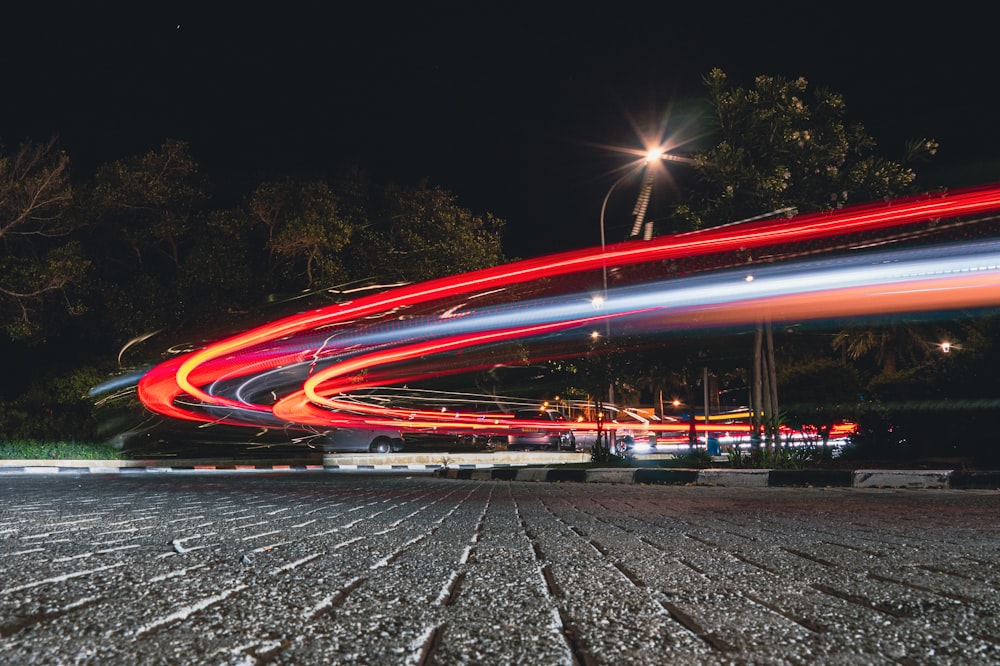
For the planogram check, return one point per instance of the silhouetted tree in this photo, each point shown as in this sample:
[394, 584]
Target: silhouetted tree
[38, 259]
[781, 147]
[419, 233]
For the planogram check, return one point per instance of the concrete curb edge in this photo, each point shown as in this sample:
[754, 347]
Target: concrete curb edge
[9, 467]
[744, 478]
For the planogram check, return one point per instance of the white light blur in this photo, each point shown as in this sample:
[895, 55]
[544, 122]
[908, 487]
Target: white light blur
[678, 299]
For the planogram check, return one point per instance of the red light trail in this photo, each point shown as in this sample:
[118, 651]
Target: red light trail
[300, 371]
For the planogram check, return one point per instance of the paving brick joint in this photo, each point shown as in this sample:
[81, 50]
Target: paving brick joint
[312, 567]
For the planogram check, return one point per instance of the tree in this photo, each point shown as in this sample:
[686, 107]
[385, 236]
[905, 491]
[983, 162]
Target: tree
[888, 344]
[150, 202]
[225, 267]
[37, 259]
[144, 214]
[421, 233]
[781, 147]
[306, 233]
[158, 256]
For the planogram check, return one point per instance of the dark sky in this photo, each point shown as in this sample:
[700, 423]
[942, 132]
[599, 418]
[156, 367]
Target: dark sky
[506, 105]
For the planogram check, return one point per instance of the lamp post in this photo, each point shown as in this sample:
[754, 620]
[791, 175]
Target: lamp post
[604, 206]
[604, 274]
[655, 154]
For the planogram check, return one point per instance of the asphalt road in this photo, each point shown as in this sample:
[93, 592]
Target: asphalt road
[320, 568]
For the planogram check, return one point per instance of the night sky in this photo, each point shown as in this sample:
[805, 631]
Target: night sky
[508, 105]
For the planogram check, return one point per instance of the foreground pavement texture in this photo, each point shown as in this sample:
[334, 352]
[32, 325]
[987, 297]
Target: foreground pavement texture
[414, 569]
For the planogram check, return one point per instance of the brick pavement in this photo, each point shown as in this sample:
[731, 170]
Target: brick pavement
[408, 569]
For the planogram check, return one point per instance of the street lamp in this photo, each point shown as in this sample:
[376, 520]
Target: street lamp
[652, 156]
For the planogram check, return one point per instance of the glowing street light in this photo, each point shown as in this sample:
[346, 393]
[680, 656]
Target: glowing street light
[945, 346]
[653, 155]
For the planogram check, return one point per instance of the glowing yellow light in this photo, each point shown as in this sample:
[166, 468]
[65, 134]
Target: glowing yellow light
[946, 347]
[654, 154]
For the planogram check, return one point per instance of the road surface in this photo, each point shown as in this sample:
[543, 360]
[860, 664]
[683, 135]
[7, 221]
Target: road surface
[319, 568]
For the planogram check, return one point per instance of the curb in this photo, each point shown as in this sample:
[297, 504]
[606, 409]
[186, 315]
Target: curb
[416, 467]
[732, 478]
[196, 466]
[116, 467]
[745, 478]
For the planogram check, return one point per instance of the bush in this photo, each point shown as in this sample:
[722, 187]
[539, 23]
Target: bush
[779, 457]
[53, 409]
[699, 458]
[41, 450]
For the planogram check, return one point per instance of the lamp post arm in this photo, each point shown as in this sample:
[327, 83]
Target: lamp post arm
[604, 206]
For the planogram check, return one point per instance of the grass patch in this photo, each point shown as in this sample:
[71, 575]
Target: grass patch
[35, 450]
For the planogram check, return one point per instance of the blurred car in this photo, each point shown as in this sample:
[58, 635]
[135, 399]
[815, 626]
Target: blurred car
[634, 442]
[535, 439]
[363, 440]
[631, 431]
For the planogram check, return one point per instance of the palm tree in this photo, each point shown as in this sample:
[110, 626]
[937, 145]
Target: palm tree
[889, 344]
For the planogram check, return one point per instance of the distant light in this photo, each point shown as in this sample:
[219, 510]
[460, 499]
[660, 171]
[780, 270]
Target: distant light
[946, 347]
[654, 154]
[597, 302]
[595, 334]
[748, 278]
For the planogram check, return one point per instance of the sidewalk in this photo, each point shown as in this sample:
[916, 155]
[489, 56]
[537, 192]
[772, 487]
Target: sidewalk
[534, 466]
[147, 466]
[331, 462]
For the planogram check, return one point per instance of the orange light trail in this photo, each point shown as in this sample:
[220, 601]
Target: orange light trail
[187, 387]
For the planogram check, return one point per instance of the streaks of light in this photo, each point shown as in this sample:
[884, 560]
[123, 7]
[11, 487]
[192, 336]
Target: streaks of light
[300, 371]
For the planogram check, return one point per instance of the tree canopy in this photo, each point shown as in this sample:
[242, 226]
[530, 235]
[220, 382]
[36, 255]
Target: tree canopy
[39, 259]
[141, 246]
[781, 146]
